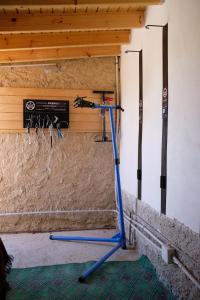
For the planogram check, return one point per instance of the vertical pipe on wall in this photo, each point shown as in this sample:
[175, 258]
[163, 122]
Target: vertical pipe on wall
[163, 177]
[117, 113]
[139, 170]
[118, 96]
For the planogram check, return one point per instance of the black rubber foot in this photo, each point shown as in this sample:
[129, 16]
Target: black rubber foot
[51, 237]
[81, 279]
[124, 247]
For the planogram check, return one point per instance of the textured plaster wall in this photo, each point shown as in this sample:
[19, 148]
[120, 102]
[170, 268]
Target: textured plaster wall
[76, 173]
[176, 234]
[92, 73]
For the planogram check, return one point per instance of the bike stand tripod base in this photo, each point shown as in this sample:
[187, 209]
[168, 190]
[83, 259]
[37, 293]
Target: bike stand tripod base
[81, 279]
[97, 264]
[117, 238]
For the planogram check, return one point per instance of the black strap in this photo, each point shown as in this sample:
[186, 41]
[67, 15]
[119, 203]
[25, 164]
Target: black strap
[163, 178]
[139, 171]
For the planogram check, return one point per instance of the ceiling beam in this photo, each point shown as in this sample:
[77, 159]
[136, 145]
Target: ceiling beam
[70, 22]
[62, 39]
[58, 53]
[12, 5]
[77, 2]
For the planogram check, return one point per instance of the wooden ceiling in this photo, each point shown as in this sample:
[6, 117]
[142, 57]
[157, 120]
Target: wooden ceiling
[44, 30]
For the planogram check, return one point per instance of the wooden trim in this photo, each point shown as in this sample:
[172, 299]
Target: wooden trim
[74, 125]
[77, 2]
[74, 116]
[81, 119]
[11, 56]
[26, 92]
[70, 22]
[63, 39]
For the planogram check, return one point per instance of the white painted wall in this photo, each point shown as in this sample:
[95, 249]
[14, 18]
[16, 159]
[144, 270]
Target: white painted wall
[129, 122]
[183, 193]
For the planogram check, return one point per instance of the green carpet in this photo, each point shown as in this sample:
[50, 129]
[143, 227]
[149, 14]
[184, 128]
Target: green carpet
[113, 281]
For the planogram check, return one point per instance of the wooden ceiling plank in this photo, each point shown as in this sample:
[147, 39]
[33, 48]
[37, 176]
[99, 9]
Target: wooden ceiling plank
[62, 39]
[73, 2]
[61, 93]
[58, 53]
[71, 22]
[117, 2]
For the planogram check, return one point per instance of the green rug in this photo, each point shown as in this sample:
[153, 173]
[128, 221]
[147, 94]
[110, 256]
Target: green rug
[135, 280]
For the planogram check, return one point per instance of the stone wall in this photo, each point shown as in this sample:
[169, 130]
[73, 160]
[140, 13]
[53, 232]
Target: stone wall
[76, 173]
[185, 241]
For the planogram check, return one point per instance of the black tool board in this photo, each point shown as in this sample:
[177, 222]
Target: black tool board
[45, 113]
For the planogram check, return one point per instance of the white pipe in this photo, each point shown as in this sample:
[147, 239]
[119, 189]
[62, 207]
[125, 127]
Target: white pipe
[142, 234]
[175, 259]
[145, 229]
[137, 216]
[167, 241]
[187, 273]
[48, 212]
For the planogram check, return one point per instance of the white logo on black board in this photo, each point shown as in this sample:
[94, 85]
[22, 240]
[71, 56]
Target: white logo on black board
[30, 105]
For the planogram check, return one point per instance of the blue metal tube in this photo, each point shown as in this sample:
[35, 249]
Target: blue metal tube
[84, 239]
[119, 238]
[117, 235]
[117, 173]
[97, 264]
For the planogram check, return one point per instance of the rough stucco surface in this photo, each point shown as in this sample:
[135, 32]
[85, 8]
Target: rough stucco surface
[76, 173]
[186, 242]
[91, 73]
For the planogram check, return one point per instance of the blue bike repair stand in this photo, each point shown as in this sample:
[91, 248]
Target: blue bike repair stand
[120, 238]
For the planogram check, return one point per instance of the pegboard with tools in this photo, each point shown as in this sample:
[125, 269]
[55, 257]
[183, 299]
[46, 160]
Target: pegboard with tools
[80, 120]
[45, 113]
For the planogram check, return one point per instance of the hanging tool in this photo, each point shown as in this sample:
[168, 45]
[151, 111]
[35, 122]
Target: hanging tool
[103, 113]
[59, 131]
[29, 123]
[51, 134]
